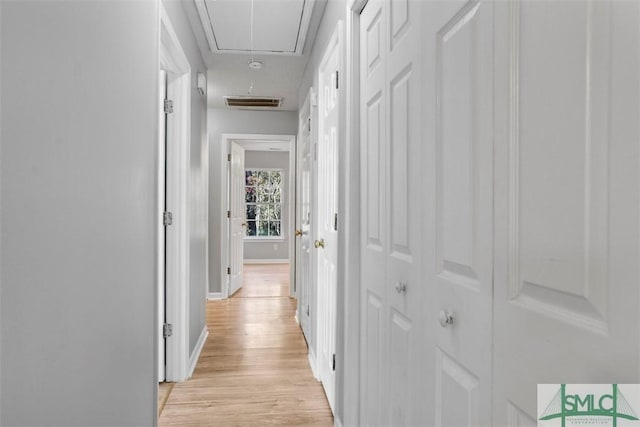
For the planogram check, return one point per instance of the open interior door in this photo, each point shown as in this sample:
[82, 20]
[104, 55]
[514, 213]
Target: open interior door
[237, 220]
[303, 220]
[326, 242]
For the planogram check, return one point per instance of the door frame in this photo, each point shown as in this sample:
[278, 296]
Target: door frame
[251, 141]
[173, 60]
[348, 297]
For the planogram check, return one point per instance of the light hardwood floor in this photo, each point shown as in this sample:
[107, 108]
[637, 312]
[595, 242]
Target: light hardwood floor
[253, 370]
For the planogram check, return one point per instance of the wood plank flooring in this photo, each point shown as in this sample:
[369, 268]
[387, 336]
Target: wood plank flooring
[253, 370]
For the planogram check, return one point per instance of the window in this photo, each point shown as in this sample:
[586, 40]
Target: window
[263, 196]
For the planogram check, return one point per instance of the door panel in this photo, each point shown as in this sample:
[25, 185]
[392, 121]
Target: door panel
[461, 61]
[373, 198]
[327, 211]
[454, 383]
[238, 217]
[392, 377]
[566, 293]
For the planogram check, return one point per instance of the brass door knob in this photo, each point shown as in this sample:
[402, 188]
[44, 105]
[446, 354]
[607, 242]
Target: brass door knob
[244, 224]
[319, 244]
[298, 232]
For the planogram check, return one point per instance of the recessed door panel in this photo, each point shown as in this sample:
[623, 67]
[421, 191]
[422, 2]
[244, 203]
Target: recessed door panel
[560, 231]
[401, 170]
[567, 162]
[374, 167]
[399, 368]
[371, 374]
[457, 394]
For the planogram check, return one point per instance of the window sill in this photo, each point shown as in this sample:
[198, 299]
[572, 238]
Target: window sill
[264, 239]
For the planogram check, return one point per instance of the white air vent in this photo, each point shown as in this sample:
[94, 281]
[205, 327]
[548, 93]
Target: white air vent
[257, 102]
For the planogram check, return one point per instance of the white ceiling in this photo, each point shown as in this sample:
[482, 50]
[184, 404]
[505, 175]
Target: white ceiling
[276, 24]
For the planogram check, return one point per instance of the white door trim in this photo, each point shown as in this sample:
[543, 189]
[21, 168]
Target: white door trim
[223, 229]
[348, 309]
[174, 61]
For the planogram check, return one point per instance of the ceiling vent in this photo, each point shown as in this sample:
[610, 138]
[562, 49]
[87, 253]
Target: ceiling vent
[258, 102]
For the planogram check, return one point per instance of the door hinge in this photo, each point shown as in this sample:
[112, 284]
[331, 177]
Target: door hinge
[335, 222]
[337, 79]
[307, 309]
[229, 270]
[229, 157]
[168, 106]
[228, 214]
[167, 330]
[309, 124]
[167, 218]
[333, 365]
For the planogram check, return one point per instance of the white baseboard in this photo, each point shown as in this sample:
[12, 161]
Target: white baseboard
[214, 295]
[266, 261]
[312, 363]
[193, 360]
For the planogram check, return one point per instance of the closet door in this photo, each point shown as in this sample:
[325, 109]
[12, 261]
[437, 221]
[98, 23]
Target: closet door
[567, 199]
[459, 208]
[373, 96]
[390, 67]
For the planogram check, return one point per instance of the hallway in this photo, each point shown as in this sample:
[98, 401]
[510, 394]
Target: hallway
[253, 369]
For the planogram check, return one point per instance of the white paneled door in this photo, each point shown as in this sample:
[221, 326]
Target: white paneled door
[237, 217]
[326, 192]
[304, 243]
[459, 59]
[500, 205]
[393, 375]
[567, 199]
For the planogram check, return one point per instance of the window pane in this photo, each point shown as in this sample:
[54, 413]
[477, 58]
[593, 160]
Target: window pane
[262, 212]
[263, 178]
[276, 178]
[251, 228]
[276, 212]
[277, 195]
[250, 177]
[251, 212]
[263, 195]
[263, 228]
[274, 228]
[250, 194]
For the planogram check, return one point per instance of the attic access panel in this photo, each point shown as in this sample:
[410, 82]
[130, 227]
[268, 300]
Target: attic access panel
[279, 26]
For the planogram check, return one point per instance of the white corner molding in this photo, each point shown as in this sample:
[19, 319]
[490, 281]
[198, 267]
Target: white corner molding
[312, 364]
[193, 360]
[212, 296]
[266, 261]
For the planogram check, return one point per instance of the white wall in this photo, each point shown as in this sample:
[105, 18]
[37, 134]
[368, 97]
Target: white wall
[269, 249]
[199, 174]
[79, 145]
[222, 121]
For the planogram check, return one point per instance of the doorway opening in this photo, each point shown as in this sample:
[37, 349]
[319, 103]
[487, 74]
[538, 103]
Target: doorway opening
[261, 211]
